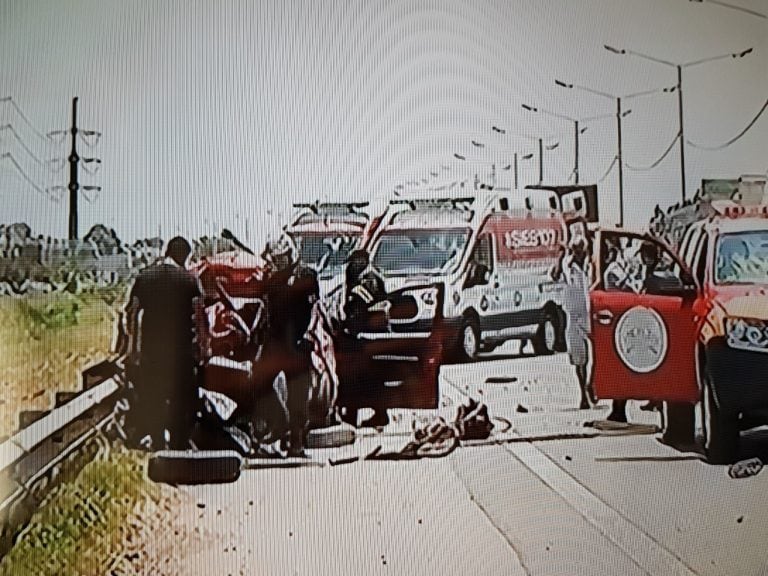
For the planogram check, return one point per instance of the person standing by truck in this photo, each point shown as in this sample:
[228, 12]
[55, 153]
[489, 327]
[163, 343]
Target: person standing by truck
[575, 270]
[166, 340]
[363, 287]
[291, 290]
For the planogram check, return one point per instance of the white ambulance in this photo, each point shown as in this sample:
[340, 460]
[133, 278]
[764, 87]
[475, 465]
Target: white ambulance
[496, 265]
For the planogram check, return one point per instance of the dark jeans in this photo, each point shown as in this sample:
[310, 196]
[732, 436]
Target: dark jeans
[164, 400]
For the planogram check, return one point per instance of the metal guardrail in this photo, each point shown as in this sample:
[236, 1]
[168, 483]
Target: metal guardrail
[55, 446]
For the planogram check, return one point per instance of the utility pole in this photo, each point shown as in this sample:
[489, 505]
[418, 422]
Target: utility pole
[516, 177]
[541, 161]
[682, 132]
[621, 165]
[679, 67]
[74, 186]
[576, 151]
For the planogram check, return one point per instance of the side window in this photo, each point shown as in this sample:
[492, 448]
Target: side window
[639, 265]
[482, 253]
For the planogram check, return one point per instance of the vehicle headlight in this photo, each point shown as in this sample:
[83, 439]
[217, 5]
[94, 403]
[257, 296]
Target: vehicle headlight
[747, 333]
[428, 297]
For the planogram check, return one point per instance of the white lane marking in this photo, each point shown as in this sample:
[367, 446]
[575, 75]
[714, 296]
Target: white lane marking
[646, 552]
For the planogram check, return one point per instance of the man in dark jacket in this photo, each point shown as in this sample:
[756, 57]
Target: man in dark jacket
[166, 334]
[364, 288]
[292, 290]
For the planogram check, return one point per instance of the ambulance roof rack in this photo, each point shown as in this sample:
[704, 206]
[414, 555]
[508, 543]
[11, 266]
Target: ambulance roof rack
[458, 203]
[336, 207]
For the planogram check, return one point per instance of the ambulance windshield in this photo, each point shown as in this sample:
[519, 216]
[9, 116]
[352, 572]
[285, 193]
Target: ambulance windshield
[326, 254]
[430, 252]
[742, 258]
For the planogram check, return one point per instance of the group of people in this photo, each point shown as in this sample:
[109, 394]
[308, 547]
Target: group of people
[167, 342]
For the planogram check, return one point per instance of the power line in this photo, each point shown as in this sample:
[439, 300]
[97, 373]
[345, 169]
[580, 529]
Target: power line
[659, 161]
[9, 127]
[23, 116]
[608, 171]
[735, 138]
[8, 156]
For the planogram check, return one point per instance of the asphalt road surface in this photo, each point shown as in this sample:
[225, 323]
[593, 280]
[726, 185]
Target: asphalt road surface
[547, 496]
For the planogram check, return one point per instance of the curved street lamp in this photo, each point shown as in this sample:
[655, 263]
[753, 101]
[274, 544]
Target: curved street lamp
[678, 88]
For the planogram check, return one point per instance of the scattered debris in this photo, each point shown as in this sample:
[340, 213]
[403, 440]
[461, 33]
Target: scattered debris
[522, 409]
[568, 458]
[745, 468]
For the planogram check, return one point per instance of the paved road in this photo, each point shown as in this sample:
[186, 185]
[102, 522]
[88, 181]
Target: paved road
[553, 498]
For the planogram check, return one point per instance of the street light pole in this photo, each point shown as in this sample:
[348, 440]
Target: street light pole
[541, 161]
[682, 130]
[621, 164]
[679, 68]
[576, 151]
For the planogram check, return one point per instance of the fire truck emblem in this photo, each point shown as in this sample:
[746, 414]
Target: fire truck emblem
[641, 339]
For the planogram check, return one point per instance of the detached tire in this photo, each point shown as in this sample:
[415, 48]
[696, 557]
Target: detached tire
[546, 338]
[194, 466]
[469, 340]
[721, 431]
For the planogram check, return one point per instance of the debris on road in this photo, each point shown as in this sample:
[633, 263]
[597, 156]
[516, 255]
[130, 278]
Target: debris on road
[745, 468]
[616, 428]
[332, 437]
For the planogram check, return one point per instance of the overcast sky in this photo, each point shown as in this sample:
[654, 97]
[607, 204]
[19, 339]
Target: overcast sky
[215, 112]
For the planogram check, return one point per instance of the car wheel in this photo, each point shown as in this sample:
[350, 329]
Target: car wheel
[545, 339]
[679, 424]
[469, 341]
[721, 430]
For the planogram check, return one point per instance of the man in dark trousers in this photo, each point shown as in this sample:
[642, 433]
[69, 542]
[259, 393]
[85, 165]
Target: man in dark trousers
[291, 290]
[363, 287]
[166, 334]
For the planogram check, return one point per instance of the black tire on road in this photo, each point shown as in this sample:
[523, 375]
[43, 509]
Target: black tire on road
[721, 430]
[545, 339]
[194, 467]
[469, 340]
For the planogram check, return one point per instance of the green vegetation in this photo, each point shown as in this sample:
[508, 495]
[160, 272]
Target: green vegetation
[84, 526]
[46, 340]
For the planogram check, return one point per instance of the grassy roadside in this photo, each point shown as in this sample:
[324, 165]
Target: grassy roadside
[85, 526]
[46, 340]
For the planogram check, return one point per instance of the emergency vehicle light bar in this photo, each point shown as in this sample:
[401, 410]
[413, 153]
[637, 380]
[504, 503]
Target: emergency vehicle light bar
[318, 207]
[731, 209]
[463, 203]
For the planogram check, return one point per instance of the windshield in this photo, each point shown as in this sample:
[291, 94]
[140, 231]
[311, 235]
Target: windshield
[742, 258]
[419, 251]
[326, 254]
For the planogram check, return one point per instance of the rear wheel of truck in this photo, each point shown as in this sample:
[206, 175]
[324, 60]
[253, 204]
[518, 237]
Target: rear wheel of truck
[545, 339]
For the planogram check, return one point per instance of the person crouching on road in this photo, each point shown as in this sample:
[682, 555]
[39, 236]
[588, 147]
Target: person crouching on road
[166, 340]
[575, 270]
[292, 290]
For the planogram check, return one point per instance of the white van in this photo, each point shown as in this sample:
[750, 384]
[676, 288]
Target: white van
[496, 267]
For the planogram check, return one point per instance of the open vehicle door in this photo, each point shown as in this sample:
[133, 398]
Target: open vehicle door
[643, 330]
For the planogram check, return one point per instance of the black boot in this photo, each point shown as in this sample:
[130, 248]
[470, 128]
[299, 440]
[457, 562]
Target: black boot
[379, 419]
